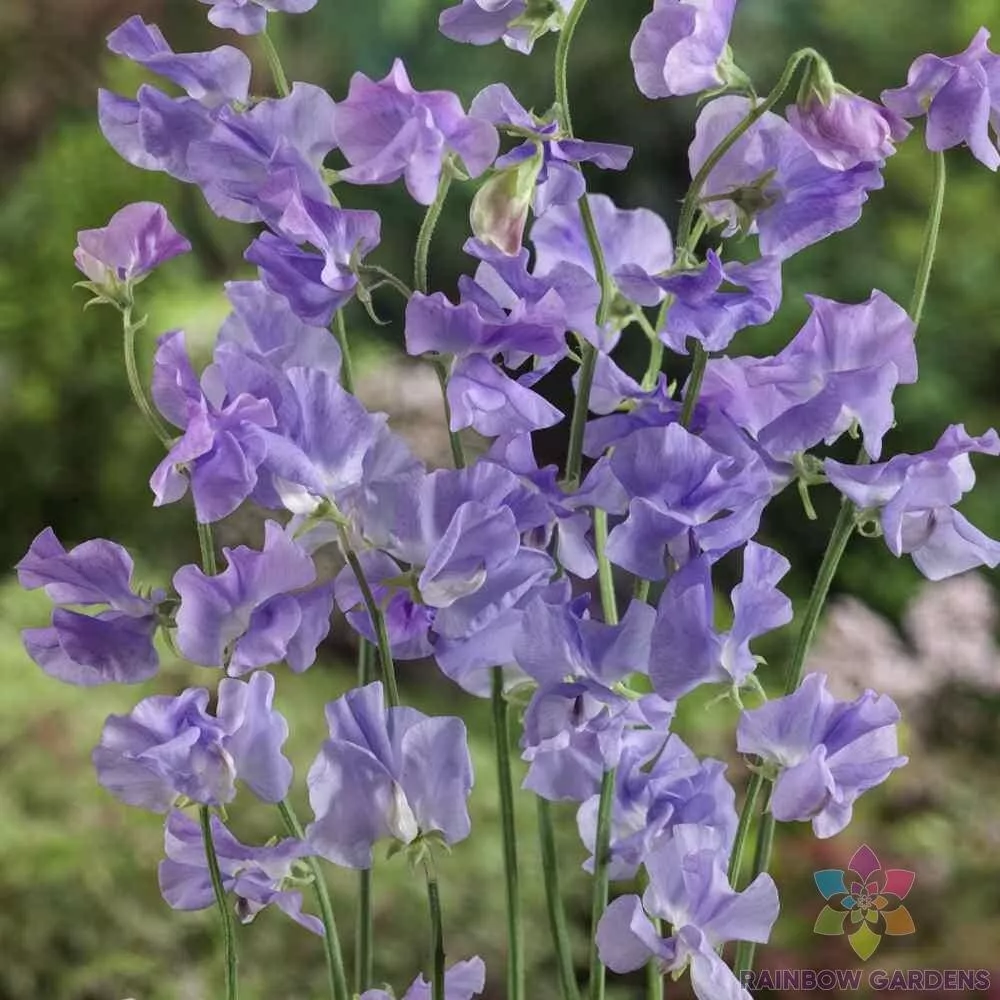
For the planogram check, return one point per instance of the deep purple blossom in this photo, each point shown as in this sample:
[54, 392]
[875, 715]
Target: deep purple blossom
[386, 773]
[659, 784]
[388, 130]
[689, 890]
[687, 649]
[482, 22]
[847, 130]
[260, 610]
[138, 239]
[827, 752]
[115, 645]
[249, 17]
[711, 303]
[915, 496]
[254, 875]
[959, 94]
[679, 46]
[842, 367]
[771, 181]
[170, 746]
[462, 981]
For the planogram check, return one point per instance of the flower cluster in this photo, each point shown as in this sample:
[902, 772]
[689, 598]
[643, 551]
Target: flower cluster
[484, 568]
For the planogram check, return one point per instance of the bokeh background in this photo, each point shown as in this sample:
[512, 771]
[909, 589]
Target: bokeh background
[80, 913]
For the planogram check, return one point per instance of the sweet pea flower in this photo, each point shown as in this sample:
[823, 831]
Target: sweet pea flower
[138, 239]
[826, 752]
[915, 495]
[249, 17]
[113, 646]
[688, 651]
[960, 95]
[772, 182]
[847, 130]
[462, 981]
[386, 772]
[690, 891]
[254, 875]
[388, 130]
[679, 46]
[260, 610]
[170, 746]
[519, 23]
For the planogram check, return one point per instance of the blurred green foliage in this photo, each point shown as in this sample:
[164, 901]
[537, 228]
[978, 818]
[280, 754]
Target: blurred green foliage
[80, 917]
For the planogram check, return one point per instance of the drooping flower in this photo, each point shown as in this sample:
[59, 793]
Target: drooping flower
[462, 981]
[680, 45]
[249, 17]
[915, 497]
[519, 23]
[688, 651]
[170, 746]
[386, 772]
[771, 182]
[826, 752]
[138, 239]
[388, 130]
[960, 95]
[256, 876]
[847, 130]
[688, 890]
[842, 367]
[260, 610]
[115, 645]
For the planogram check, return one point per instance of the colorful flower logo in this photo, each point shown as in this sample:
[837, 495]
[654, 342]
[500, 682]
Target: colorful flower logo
[864, 902]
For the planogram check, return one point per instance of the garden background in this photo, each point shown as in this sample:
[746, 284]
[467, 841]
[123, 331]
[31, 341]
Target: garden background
[80, 913]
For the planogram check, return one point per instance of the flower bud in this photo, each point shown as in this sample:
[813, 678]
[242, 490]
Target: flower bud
[500, 208]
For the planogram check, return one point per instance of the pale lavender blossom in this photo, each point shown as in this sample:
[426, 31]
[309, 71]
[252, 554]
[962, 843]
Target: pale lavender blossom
[462, 981]
[518, 23]
[249, 17]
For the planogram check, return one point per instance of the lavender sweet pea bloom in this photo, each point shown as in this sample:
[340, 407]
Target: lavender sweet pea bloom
[386, 773]
[680, 45]
[260, 610]
[842, 366]
[827, 752]
[388, 130]
[915, 496]
[847, 130]
[254, 875]
[462, 981]
[520, 23]
[959, 94]
[116, 645]
[138, 239]
[170, 746]
[690, 891]
[249, 17]
[688, 651]
[771, 181]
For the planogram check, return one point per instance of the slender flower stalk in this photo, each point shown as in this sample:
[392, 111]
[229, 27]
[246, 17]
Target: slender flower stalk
[437, 932]
[225, 913]
[331, 940]
[274, 62]
[346, 364]
[609, 603]
[929, 249]
[515, 936]
[363, 955]
[131, 327]
[554, 902]
[745, 950]
[599, 902]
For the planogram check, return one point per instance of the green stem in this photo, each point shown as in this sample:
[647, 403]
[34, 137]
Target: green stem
[274, 62]
[605, 575]
[427, 228]
[515, 940]
[754, 785]
[142, 400]
[346, 363]
[578, 423]
[554, 902]
[226, 914]
[363, 958]
[693, 388]
[931, 232]
[654, 973]
[331, 941]
[743, 961]
[641, 590]
[562, 65]
[437, 934]
[602, 851]
[207, 546]
[457, 452]
[378, 619]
